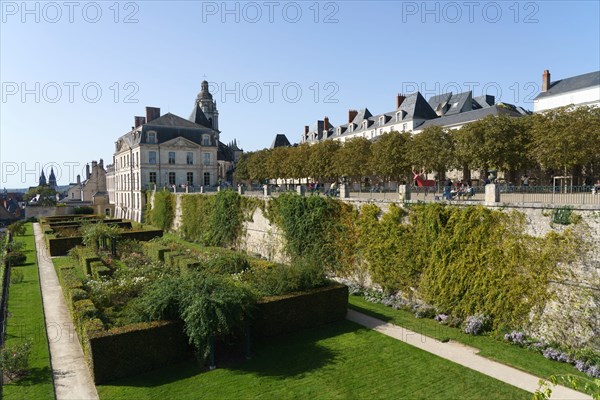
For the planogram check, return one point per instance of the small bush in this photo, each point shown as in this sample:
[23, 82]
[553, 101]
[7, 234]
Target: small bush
[477, 324]
[425, 312]
[16, 276]
[14, 360]
[16, 258]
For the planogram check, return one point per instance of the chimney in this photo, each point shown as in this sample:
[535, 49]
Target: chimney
[326, 123]
[79, 179]
[152, 113]
[545, 80]
[351, 115]
[101, 163]
[87, 171]
[306, 128]
[139, 121]
[94, 164]
[399, 99]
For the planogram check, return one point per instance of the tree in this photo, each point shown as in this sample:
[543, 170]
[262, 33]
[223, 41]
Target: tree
[564, 139]
[353, 158]
[257, 169]
[47, 196]
[17, 228]
[241, 169]
[433, 149]
[298, 161]
[322, 160]
[390, 155]
[466, 147]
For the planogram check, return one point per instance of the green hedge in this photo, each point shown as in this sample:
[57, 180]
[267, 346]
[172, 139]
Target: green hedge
[134, 349]
[289, 313]
[61, 246]
[84, 310]
[156, 251]
[99, 270]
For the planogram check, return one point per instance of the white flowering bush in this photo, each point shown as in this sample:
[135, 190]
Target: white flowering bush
[476, 324]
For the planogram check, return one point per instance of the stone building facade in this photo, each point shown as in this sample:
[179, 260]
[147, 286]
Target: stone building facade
[168, 151]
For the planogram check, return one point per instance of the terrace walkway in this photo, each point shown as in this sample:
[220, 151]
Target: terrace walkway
[72, 379]
[463, 355]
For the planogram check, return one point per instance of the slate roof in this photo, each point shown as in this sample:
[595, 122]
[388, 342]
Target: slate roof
[460, 102]
[415, 106]
[470, 116]
[570, 84]
[225, 153]
[168, 127]
[280, 141]
[198, 116]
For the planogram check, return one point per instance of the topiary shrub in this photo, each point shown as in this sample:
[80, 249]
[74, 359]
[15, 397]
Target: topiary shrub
[14, 360]
[16, 258]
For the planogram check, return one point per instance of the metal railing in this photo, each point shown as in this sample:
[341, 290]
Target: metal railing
[571, 195]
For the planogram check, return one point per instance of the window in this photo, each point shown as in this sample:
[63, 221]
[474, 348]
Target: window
[399, 116]
[190, 178]
[205, 140]
[365, 124]
[206, 157]
[152, 177]
[152, 137]
[403, 127]
[190, 158]
[381, 121]
[152, 157]
[207, 179]
[171, 157]
[171, 178]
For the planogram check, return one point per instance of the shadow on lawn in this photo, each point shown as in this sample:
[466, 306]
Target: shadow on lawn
[35, 376]
[371, 313]
[281, 357]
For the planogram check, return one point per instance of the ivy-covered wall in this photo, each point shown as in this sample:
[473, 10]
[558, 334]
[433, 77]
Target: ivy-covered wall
[519, 267]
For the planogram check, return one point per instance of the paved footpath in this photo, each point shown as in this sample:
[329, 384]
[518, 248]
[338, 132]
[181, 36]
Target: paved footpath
[463, 355]
[72, 379]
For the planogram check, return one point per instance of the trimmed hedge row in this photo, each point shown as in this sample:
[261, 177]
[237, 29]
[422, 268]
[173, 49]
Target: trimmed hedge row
[133, 349]
[61, 246]
[99, 270]
[292, 312]
[156, 251]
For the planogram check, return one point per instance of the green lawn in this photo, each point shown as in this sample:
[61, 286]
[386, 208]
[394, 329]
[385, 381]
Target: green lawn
[341, 360]
[26, 320]
[490, 347]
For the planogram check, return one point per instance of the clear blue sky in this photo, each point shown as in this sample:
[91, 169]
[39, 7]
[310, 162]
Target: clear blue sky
[341, 55]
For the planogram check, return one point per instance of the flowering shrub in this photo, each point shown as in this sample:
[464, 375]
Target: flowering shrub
[14, 360]
[476, 324]
[516, 337]
[441, 318]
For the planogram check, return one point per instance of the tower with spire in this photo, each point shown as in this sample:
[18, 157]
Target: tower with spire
[42, 181]
[205, 109]
[52, 180]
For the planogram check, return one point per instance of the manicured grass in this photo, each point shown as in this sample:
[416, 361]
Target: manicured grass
[26, 321]
[341, 360]
[490, 347]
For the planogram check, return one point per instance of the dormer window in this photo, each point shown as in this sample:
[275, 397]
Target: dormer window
[382, 120]
[152, 137]
[350, 127]
[205, 140]
[365, 124]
